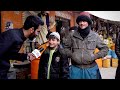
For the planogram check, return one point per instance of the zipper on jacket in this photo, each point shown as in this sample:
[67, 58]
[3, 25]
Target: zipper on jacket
[82, 52]
[82, 55]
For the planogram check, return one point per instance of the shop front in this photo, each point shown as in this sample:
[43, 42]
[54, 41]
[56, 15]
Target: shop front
[54, 21]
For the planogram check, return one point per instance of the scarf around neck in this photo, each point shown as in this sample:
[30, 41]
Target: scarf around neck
[84, 32]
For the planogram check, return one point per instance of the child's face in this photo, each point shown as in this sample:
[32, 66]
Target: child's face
[53, 43]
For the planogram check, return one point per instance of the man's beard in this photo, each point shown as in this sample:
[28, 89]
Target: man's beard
[31, 37]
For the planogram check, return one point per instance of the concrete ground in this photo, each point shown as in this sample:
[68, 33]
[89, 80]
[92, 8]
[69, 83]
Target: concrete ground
[108, 73]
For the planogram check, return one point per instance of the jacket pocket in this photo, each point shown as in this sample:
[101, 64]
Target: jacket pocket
[91, 44]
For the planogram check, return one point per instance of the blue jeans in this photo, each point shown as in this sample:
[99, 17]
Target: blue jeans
[84, 73]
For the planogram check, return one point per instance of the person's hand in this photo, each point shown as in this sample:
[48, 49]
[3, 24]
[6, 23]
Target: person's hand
[104, 58]
[31, 56]
[107, 57]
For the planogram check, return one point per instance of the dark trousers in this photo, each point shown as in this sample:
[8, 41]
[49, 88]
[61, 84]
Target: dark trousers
[117, 75]
[3, 74]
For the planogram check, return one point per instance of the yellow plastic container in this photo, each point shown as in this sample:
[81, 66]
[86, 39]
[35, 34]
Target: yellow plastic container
[114, 62]
[106, 63]
[99, 62]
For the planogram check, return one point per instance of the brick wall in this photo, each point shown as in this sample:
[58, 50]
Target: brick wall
[17, 20]
[72, 21]
[12, 16]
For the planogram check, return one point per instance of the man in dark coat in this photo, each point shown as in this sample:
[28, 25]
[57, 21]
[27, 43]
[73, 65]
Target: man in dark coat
[117, 51]
[12, 40]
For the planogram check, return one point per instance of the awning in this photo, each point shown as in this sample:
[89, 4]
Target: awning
[108, 15]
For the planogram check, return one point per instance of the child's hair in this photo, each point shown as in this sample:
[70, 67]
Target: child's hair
[53, 37]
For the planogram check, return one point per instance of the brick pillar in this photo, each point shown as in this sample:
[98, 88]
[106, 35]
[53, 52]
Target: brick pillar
[14, 16]
[52, 14]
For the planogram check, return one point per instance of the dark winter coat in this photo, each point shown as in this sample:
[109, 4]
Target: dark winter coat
[10, 44]
[117, 51]
[59, 68]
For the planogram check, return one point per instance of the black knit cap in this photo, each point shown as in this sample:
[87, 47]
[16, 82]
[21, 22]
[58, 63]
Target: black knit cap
[84, 16]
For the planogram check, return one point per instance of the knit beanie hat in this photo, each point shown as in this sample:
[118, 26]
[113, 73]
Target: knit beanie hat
[84, 16]
[56, 34]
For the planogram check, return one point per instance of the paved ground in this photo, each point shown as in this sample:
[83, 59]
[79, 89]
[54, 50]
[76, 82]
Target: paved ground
[108, 73]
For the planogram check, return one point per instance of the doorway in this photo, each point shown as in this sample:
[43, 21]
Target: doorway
[62, 22]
